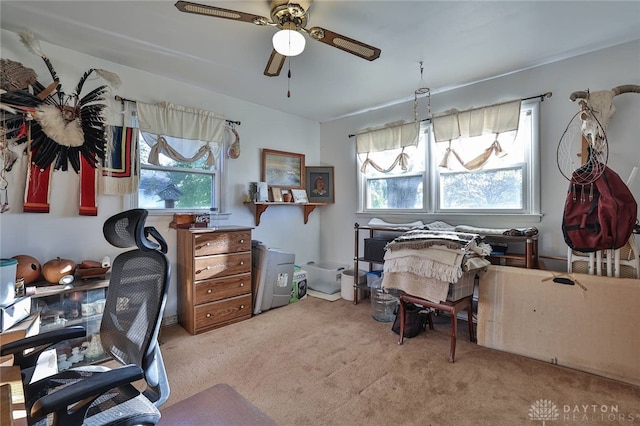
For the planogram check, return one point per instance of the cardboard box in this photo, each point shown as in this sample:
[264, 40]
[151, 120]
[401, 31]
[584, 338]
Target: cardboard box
[299, 290]
[592, 329]
[14, 313]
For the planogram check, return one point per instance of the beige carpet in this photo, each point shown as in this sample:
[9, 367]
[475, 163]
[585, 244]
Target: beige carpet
[316, 362]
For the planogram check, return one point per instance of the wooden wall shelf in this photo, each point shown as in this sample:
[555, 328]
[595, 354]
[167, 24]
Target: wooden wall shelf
[261, 206]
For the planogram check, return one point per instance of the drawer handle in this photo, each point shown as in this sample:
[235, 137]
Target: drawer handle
[242, 262]
[206, 268]
[209, 291]
[203, 245]
[241, 306]
[241, 241]
[208, 315]
[241, 284]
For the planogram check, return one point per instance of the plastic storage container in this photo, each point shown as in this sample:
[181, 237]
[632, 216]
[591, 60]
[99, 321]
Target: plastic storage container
[373, 277]
[325, 277]
[463, 287]
[383, 305]
[7, 281]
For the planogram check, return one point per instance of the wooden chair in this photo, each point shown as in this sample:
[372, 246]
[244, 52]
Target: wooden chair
[451, 307]
[620, 263]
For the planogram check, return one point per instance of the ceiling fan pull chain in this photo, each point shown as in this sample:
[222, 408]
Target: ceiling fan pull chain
[289, 78]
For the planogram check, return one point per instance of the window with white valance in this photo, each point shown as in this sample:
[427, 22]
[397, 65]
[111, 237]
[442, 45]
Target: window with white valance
[478, 132]
[392, 137]
[491, 158]
[181, 157]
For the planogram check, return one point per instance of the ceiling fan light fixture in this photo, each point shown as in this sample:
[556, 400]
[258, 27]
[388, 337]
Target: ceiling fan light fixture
[288, 42]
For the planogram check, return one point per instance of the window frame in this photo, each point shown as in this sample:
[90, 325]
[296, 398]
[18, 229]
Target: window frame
[431, 183]
[218, 179]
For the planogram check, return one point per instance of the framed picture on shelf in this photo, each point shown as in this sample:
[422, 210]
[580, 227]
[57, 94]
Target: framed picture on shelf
[283, 169]
[276, 194]
[299, 196]
[320, 184]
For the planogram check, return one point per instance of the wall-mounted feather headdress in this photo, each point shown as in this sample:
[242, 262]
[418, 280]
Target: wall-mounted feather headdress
[63, 126]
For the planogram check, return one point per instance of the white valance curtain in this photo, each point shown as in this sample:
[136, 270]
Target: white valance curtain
[166, 126]
[493, 119]
[397, 135]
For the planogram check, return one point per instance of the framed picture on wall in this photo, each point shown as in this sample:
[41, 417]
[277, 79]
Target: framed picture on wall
[299, 196]
[276, 194]
[320, 184]
[283, 169]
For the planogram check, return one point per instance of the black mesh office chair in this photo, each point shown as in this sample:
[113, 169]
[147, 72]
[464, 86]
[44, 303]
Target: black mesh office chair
[95, 395]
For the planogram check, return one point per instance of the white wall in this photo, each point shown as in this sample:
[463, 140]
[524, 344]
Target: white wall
[601, 70]
[65, 234]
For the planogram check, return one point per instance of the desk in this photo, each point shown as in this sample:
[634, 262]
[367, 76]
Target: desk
[450, 307]
[12, 397]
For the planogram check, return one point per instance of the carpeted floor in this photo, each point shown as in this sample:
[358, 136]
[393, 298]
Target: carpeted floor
[316, 362]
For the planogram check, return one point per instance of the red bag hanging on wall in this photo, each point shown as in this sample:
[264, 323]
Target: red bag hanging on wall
[599, 215]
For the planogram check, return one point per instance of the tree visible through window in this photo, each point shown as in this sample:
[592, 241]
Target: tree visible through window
[176, 185]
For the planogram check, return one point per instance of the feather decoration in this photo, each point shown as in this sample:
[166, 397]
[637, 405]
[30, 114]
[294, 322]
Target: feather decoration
[65, 127]
[31, 42]
[83, 79]
[94, 96]
[33, 45]
[112, 78]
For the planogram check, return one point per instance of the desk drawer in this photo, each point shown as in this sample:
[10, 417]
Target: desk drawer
[222, 288]
[221, 265]
[218, 243]
[225, 310]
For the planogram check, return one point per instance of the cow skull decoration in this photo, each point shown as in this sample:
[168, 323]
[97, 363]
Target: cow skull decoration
[597, 109]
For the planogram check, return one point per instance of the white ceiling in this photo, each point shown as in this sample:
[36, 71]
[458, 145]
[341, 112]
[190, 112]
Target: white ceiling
[460, 42]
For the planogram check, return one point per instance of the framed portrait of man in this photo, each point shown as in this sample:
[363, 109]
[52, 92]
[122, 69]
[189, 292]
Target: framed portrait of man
[320, 184]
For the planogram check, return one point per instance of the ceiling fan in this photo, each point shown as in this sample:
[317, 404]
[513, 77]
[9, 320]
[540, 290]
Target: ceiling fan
[291, 20]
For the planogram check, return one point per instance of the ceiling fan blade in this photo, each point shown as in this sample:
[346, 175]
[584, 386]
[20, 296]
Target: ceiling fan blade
[347, 44]
[274, 65]
[218, 12]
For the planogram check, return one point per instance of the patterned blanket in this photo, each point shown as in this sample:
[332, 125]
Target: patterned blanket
[423, 238]
[443, 255]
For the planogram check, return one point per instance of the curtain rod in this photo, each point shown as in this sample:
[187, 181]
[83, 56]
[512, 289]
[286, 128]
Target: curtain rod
[542, 96]
[123, 100]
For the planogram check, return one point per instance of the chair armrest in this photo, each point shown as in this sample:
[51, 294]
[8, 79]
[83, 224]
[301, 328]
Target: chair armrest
[39, 343]
[86, 390]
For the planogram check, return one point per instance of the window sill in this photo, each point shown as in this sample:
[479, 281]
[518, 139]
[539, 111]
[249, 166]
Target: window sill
[477, 219]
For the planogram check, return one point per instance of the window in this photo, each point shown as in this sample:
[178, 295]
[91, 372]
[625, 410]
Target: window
[181, 159]
[505, 184]
[176, 185]
[397, 189]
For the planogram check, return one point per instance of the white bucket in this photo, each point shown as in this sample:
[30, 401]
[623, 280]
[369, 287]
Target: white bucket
[346, 290]
[7, 281]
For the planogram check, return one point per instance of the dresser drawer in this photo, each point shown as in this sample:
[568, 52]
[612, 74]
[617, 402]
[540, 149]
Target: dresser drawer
[225, 310]
[218, 243]
[222, 288]
[221, 265]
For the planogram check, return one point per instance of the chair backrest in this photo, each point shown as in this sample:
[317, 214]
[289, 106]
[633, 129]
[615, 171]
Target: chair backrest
[136, 299]
[620, 263]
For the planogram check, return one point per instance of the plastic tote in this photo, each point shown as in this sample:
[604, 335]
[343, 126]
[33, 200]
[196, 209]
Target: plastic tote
[7, 281]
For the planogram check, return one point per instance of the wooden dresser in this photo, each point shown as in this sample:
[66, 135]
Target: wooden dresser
[214, 277]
